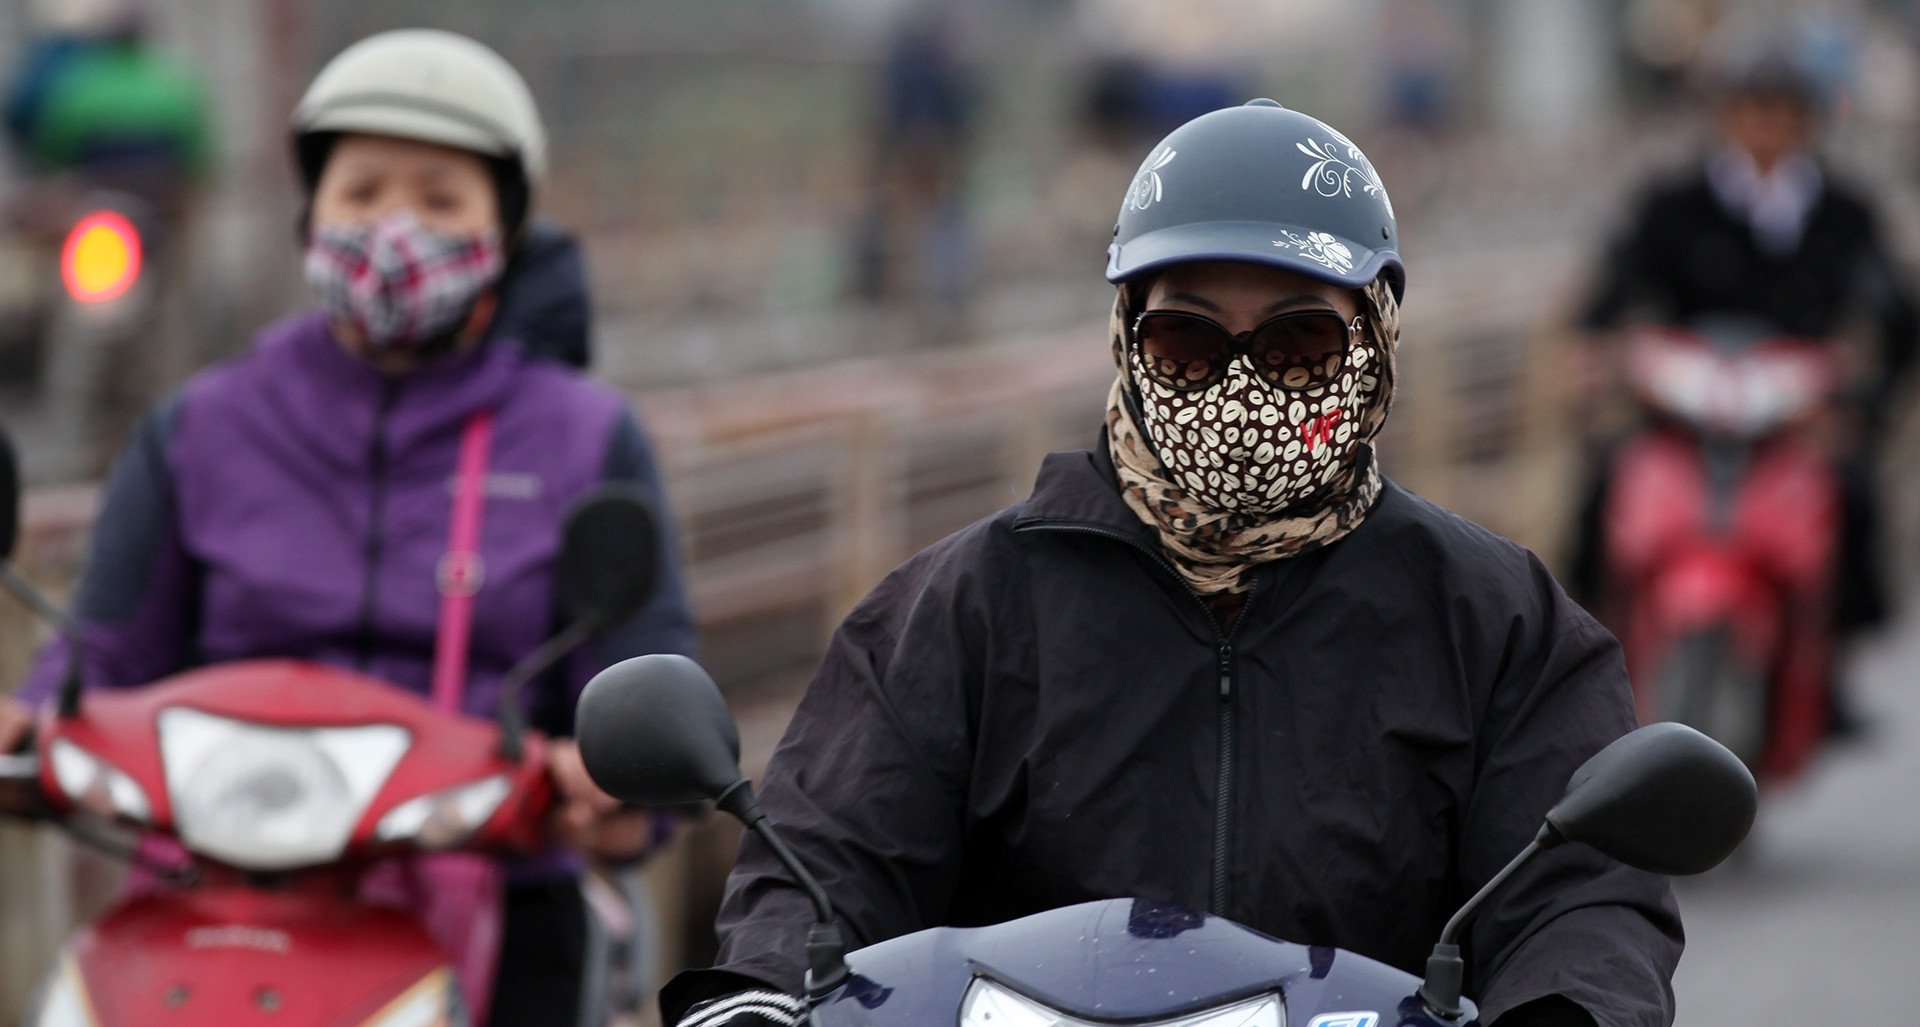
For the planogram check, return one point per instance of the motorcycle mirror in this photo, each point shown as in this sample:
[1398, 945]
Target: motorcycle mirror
[9, 496]
[1664, 798]
[607, 566]
[653, 731]
[604, 573]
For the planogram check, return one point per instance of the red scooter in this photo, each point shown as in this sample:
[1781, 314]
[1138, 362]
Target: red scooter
[284, 781]
[1721, 529]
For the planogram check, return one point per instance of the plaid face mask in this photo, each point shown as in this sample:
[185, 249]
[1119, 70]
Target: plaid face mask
[399, 282]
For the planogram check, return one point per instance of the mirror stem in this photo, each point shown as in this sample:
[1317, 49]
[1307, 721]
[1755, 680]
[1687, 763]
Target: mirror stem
[536, 663]
[1446, 971]
[69, 696]
[739, 802]
[826, 948]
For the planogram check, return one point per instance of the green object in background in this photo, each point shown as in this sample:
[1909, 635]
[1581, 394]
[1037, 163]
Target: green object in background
[117, 100]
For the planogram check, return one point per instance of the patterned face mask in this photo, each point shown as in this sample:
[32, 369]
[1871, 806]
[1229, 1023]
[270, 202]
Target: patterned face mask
[402, 284]
[1245, 446]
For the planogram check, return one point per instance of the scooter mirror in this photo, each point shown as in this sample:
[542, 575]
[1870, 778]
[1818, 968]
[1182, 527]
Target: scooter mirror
[9, 496]
[654, 731]
[1664, 798]
[607, 564]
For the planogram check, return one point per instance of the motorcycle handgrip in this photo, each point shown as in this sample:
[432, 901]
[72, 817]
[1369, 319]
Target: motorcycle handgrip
[24, 767]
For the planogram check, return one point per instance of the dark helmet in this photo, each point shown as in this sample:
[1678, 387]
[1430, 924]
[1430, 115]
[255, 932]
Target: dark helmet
[1769, 72]
[1264, 184]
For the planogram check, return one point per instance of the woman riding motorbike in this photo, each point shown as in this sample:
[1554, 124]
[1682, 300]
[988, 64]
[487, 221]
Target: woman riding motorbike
[297, 501]
[1219, 660]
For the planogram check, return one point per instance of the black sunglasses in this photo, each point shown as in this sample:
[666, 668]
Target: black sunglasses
[1294, 351]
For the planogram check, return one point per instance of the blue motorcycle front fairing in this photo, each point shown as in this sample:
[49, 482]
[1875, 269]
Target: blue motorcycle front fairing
[1120, 961]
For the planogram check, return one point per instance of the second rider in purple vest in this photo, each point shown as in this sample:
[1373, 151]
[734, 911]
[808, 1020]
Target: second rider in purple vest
[296, 501]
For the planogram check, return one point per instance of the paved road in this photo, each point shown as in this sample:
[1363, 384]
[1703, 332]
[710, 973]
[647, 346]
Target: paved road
[1817, 919]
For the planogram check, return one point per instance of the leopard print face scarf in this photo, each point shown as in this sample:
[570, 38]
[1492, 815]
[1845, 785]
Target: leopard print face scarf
[1327, 484]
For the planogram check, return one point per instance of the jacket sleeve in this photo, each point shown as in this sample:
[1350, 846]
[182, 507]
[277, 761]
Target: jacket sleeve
[868, 787]
[1573, 923]
[665, 623]
[137, 608]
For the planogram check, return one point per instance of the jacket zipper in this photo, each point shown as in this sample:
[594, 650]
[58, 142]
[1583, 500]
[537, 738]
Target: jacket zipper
[1223, 785]
[1223, 789]
[376, 533]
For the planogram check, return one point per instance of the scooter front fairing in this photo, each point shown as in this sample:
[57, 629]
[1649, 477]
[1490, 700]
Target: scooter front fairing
[1119, 961]
[282, 782]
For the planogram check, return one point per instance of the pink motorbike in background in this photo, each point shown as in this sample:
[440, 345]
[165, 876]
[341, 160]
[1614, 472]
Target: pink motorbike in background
[282, 784]
[1721, 532]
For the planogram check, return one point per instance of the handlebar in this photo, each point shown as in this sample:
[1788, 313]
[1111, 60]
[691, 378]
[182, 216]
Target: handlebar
[24, 767]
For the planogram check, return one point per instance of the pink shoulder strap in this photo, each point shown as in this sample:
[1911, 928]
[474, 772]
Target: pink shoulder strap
[461, 571]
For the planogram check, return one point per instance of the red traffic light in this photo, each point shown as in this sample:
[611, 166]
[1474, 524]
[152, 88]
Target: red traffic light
[101, 258]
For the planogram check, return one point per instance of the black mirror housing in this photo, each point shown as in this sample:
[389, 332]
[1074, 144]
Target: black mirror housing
[608, 564]
[1664, 798]
[653, 731]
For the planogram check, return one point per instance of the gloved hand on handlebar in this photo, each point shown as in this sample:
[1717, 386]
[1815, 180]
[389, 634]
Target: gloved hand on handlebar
[757, 1008]
[591, 820]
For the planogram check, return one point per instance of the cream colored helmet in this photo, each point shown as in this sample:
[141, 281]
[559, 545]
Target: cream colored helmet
[425, 84]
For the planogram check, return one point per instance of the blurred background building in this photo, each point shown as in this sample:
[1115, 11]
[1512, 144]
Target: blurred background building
[847, 256]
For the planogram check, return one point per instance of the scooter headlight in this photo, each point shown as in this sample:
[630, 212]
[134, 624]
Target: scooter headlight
[65, 1003]
[990, 1004]
[447, 817]
[269, 798]
[433, 1002]
[96, 785]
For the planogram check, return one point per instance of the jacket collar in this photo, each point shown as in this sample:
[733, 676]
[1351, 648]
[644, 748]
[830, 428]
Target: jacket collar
[1078, 490]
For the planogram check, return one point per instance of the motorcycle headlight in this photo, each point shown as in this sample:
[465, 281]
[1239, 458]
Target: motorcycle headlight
[433, 1002]
[270, 798]
[65, 1002]
[989, 1004]
[447, 817]
[94, 784]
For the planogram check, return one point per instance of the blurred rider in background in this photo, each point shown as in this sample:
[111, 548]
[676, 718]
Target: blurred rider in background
[101, 119]
[337, 438]
[93, 98]
[1761, 230]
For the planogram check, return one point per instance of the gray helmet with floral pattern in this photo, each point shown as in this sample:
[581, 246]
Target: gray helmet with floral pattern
[1264, 184]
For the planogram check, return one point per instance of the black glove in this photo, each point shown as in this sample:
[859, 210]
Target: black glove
[757, 1008]
[1551, 1011]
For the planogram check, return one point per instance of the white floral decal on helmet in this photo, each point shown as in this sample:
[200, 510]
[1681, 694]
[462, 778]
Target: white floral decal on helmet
[1332, 174]
[1148, 187]
[1321, 248]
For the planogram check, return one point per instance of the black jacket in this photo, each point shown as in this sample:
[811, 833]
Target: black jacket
[1036, 712]
[1683, 257]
